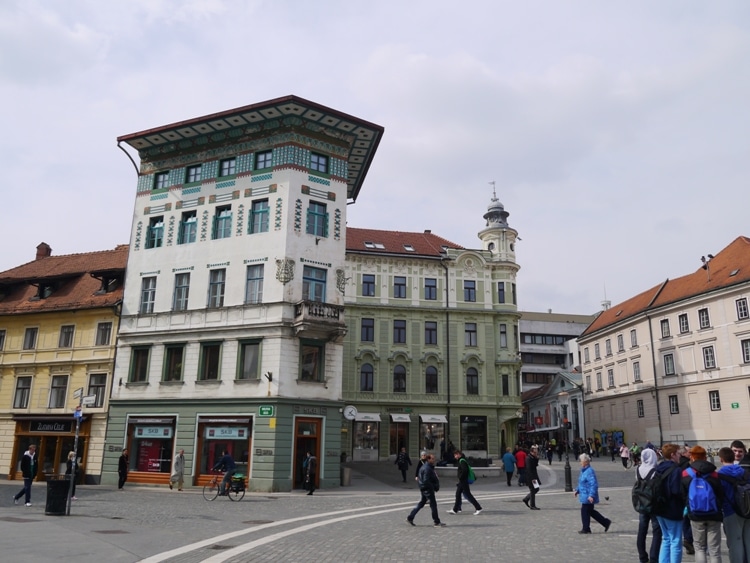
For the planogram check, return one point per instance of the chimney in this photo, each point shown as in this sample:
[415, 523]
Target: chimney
[428, 231]
[43, 251]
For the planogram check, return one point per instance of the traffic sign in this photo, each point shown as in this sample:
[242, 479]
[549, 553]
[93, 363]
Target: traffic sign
[265, 410]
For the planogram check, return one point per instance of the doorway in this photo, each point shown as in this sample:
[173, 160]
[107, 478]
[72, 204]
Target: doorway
[306, 439]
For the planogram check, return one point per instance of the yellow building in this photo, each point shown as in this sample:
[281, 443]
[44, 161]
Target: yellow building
[59, 317]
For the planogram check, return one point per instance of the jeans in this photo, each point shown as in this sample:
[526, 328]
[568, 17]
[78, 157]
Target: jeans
[26, 490]
[427, 496]
[640, 542]
[463, 488]
[588, 511]
[737, 530]
[707, 538]
[671, 543]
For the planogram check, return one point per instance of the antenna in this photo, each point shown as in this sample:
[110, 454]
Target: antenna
[494, 195]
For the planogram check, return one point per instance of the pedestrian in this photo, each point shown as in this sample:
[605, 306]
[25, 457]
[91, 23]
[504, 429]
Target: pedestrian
[588, 495]
[550, 453]
[122, 468]
[647, 470]
[178, 471]
[429, 484]
[704, 497]
[509, 465]
[612, 448]
[532, 477]
[227, 465]
[670, 514]
[420, 463]
[597, 446]
[736, 528]
[521, 465]
[403, 461]
[71, 468]
[739, 450]
[29, 466]
[624, 455]
[311, 469]
[462, 486]
[687, 529]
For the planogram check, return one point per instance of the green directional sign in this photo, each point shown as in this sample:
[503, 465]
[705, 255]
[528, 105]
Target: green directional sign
[265, 410]
[735, 405]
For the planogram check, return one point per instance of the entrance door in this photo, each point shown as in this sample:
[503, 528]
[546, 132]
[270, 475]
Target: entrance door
[306, 439]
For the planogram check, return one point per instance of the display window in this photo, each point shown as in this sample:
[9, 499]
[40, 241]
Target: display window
[151, 443]
[217, 435]
[474, 433]
[366, 440]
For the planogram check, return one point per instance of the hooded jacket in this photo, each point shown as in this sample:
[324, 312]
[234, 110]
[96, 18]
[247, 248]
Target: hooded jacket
[735, 471]
[648, 462]
[672, 491]
[708, 471]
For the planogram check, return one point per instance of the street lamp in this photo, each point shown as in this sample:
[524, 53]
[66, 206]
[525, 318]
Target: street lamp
[568, 476]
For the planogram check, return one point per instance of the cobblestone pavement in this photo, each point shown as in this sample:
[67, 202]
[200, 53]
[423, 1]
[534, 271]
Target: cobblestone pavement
[363, 522]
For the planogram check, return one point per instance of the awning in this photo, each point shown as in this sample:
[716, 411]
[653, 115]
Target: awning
[400, 418]
[367, 417]
[439, 418]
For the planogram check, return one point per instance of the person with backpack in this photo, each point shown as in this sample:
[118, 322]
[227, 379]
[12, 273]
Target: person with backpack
[669, 505]
[465, 475]
[704, 495]
[645, 472]
[736, 527]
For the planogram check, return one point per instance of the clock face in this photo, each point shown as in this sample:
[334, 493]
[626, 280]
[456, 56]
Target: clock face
[350, 412]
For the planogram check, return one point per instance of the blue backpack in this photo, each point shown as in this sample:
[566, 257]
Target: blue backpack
[702, 500]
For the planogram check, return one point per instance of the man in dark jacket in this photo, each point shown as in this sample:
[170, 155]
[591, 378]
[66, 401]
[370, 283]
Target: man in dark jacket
[429, 484]
[29, 466]
[462, 487]
[670, 515]
[122, 469]
[706, 525]
[403, 461]
[226, 464]
[532, 477]
[311, 470]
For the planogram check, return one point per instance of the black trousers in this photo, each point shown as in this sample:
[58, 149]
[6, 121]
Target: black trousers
[531, 497]
[465, 490]
[123, 478]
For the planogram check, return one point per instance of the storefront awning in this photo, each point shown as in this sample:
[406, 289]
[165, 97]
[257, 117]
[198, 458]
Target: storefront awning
[400, 418]
[367, 417]
[439, 418]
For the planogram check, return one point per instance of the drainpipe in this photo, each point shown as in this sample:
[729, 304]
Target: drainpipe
[447, 349]
[656, 386]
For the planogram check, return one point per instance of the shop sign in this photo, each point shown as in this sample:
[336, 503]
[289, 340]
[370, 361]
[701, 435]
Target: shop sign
[153, 431]
[309, 410]
[229, 432]
[51, 425]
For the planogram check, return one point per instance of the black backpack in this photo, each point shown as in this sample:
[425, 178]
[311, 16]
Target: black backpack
[648, 494]
[741, 487]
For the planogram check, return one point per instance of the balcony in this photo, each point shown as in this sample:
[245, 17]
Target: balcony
[319, 321]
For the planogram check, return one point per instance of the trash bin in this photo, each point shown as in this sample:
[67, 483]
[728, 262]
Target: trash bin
[57, 495]
[346, 476]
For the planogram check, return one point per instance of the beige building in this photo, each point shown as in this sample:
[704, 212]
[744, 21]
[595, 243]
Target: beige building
[672, 364]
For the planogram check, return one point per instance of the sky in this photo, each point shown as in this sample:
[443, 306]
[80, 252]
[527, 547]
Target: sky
[617, 133]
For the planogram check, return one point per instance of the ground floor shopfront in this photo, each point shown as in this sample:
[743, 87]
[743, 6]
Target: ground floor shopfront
[267, 440]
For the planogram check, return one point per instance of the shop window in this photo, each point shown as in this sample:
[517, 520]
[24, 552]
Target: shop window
[432, 435]
[151, 448]
[366, 440]
[473, 433]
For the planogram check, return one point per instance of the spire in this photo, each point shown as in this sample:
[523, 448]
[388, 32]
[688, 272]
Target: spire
[496, 215]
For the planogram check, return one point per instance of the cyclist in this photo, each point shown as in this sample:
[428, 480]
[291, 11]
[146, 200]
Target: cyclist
[635, 453]
[226, 463]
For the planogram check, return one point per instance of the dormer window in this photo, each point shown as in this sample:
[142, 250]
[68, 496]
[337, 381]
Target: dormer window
[409, 248]
[43, 291]
[369, 244]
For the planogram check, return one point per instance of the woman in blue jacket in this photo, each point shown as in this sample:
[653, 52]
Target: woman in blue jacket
[588, 495]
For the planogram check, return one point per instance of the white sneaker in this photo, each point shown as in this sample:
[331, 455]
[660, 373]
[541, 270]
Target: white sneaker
[73, 498]
[28, 504]
[478, 512]
[15, 500]
[451, 511]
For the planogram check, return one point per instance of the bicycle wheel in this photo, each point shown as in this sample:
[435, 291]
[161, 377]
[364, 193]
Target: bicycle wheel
[211, 491]
[236, 495]
[630, 463]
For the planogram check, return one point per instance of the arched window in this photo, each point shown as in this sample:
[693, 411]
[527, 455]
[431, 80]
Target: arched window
[366, 376]
[431, 380]
[472, 381]
[399, 379]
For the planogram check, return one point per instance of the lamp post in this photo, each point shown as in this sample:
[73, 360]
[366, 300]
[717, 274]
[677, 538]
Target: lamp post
[568, 476]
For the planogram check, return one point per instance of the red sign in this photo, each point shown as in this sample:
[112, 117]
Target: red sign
[538, 420]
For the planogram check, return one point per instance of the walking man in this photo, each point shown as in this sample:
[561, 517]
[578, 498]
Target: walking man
[29, 466]
[311, 469]
[532, 477]
[429, 484]
[403, 461]
[122, 469]
[462, 487]
[178, 471]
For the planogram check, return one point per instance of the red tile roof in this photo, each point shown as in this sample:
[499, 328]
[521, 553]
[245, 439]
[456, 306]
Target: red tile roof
[729, 267]
[424, 244]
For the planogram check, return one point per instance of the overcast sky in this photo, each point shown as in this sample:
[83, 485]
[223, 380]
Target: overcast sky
[617, 132]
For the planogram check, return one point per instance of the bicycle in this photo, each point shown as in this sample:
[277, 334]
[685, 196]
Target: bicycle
[235, 492]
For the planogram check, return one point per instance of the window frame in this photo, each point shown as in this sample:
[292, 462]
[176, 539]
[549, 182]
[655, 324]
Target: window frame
[431, 380]
[217, 280]
[188, 229]
[103, 328]
[430, 333]
[683, 323]
[669, 366]
[620, 343]
[637, 372]
[317, 219]
[743, 313]
[314, 282]
[599, 385]
[586, 358]
[30, 338]
[319, 163]
[161, 180]
[399, 287]
[714, 400]
[249, 372]
[633, 338]
[430, 289]
[22, 394]
[366, 378]
[173, 367]
[155, 232]
[254, 276]
[665, 332]
[399, 331]
[610, 377]
[367, 329]
[193, 174]
[745, 350]
[470, 291]
[597, 352]
[709, 357]
[368, 285]
[227, 167]
[399, 378]
[2, 339]
[99, 389]
[222, 222]
[470, 335]
[140, 360]
[608, 346]
[501, 292]
[210, 360]
[181, 295]
[308, 347]
[67, 335]
[263, 160]
[639, 408]
[704, 318]
[674, 404]
[472, 381]
[259, 216]
[148, 295]
[58, 391]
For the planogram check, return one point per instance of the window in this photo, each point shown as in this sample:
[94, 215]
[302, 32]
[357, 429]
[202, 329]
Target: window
[470, 290]
[637, 372]
[430, 289]
[669, 364]
[161, 180]
[505, 385]
[586, 355]
[216, 283]
[470, 334]
[319, 163]
[620, 343]
[139, 364]
[742, 310]
[155, 232]
[254, 284]
[709, 359]
[173, 359]
[263, 160]
[611, 377]
[431, 380]
[57, 392]
[193, 174]
[515, 296]
[501, 292]
[259, 216]
[703, 320]
[674, 405]
[503, 336]
[181, 292]
[366, 378]
[2, 340]
[399, 332]
[665, 328]
[399, 379]
[683, 322]
[608, 347]
[313, 284]
[222, 222]
[639, 407]
[210, 361]
[430, 332]
[399, 287]
[312, 362]
[249, 361]
[597, 354]
[23, 390]
[368, 330]
[103, 334]
[714, 400]
[29, 338]
[227, 167]
[98, 387]
[473, 433]
[317, 219]
[66, 336]
[368, 285]
[599, 386]
[188, 228]
[633, 338]
[472, 381]
[148, 295]
[588, 384]
[745, 345]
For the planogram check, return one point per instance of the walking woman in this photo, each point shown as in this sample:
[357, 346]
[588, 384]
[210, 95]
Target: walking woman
[532, 477]
[588, 495]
